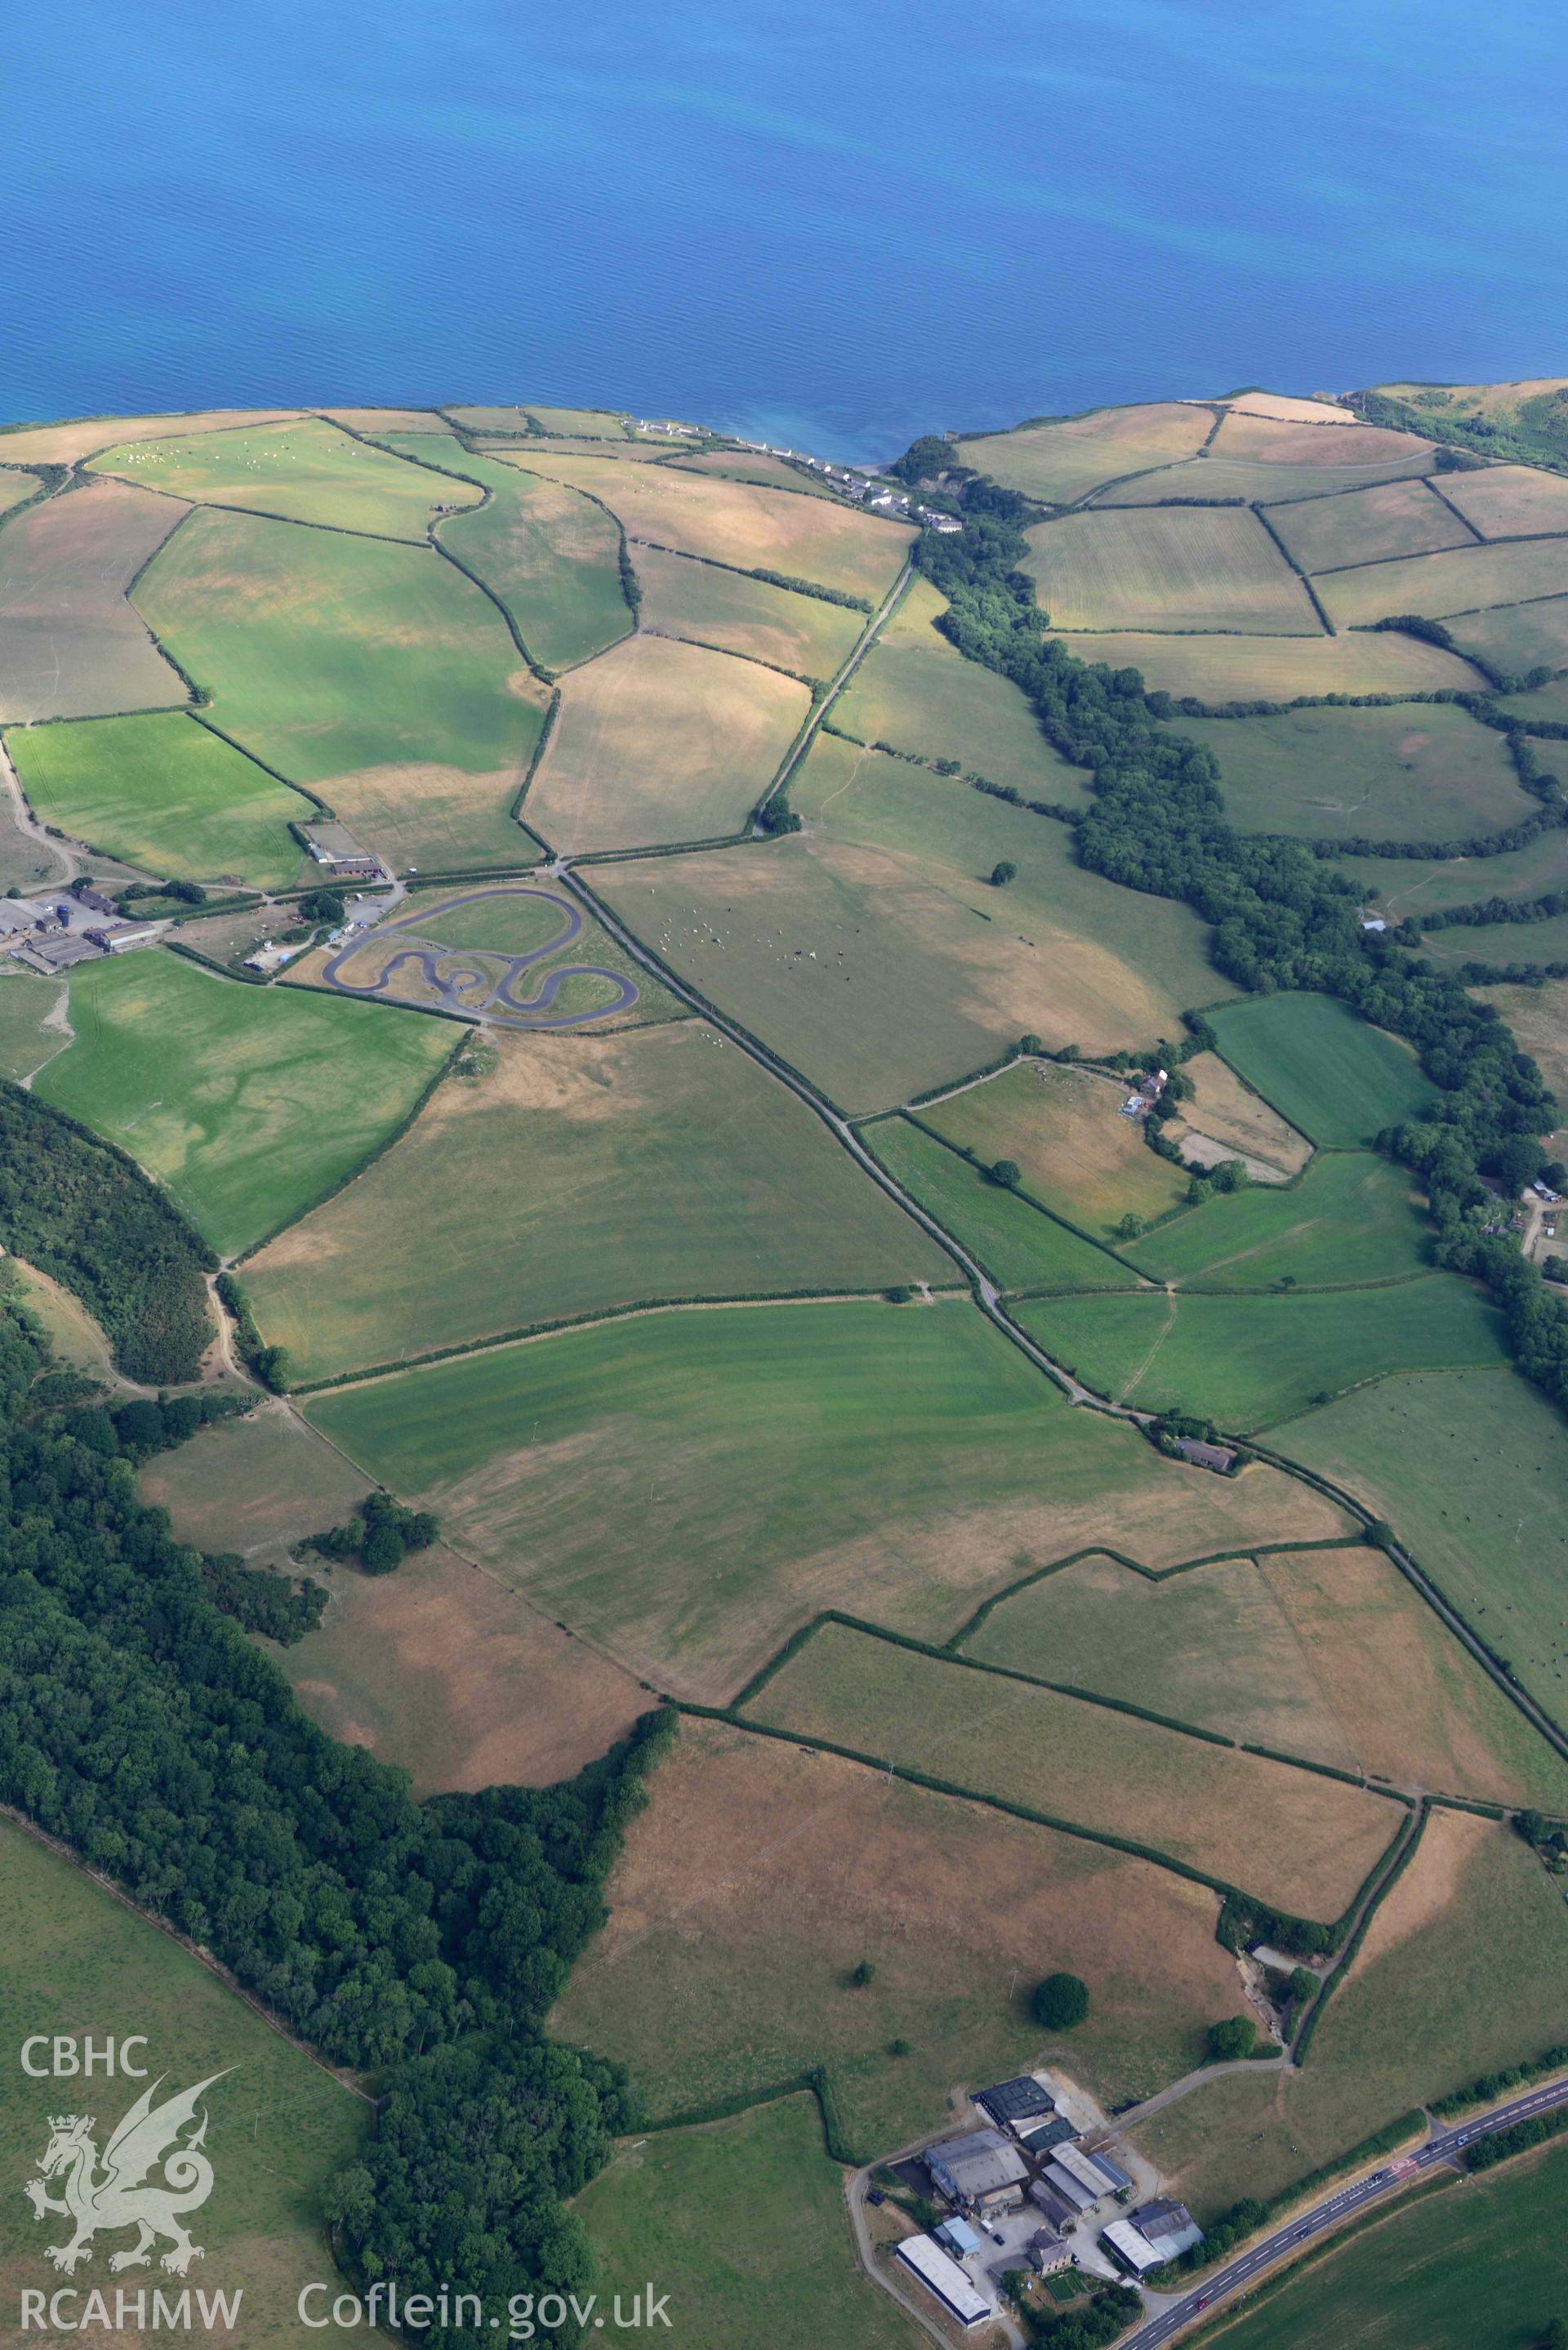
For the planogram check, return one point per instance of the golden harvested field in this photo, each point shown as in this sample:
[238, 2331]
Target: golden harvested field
[754, 465]
[713, 606]
[688, 1488]
[871, 950]
[376, 420]
[1293, 1837]
[1170, 568]
[71, 644]
[1504, 501]
[758, 1877]
[1229, 1111]
[1277, 669]
[1269, 440]
[660, 741]
[582, 1173]
[257, 1486]
[1063, 460]
[1366, 526]
[65, 444]
[1296, 1650]
[1081, 1158]
[1284, 409]
[1465, 1969]
[917, 691]
[1464, 579]
[456, 1679]
[735, 521]
[1208, 480]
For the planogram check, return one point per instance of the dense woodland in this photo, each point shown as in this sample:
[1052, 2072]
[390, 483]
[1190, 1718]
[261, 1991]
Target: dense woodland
[140, 1725]
[82, 1212]
[1282, 918]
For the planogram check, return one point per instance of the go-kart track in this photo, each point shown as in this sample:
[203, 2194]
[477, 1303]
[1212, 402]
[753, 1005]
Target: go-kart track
[532, 1011]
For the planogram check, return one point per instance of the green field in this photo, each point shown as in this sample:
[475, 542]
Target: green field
[687, 1488]
[551, 555]
[1224, 669]
[165, 793]
[917, 691]
[742, 2224]
[378, 671]
[306, 472]
[71, 644]
[15, 489]
[1020, 1246]
[760, 1876]
[1065, 459]
[32, 1030]
[1477, 2263]
[1472, 1474]
[1064, 1127]
[1350, 1218]
[1261, 481]
[659, 741]
[1366, 525]
[1549, 701]
[1166, 568]
[872, 952]
[1400, 774]
[246, 1104]
[1339, 1080]
[1295, 1650]
[278, 2125]
[1293, 1837]
[581, 1174]
[1464, 1969]
[256, 1485]
[1409, 886]
[712, 606]
[1516, 637]
[1501, 943]
[1248, 1362]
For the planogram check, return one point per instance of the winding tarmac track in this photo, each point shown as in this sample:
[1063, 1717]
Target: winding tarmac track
[1335, 2209]
[448, 990]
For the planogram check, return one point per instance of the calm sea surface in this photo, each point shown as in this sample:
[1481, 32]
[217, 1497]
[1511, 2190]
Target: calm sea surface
[842, 224]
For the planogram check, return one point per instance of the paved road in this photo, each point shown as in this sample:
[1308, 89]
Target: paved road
[1331, 2213]
[502, 997]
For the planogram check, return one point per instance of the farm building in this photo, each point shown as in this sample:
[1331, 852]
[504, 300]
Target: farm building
[1019, 2100]
[1092, 2172]
[1041, 2139]
[1131, 2248]
[93, 899]
[1218, 1457]
[1170, 2227]
[1047, 2253]
[340, 855]
[1070, 2191]
[1052, 2209]
[980, 2170]
[956, 2236]
[941, 2275]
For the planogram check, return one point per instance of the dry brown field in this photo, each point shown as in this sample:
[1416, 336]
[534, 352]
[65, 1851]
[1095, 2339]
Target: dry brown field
[659, 741]
[71, 644]
[1223, 1107]
[66, 444]
[1061, 461]
[712, 605]
[1210, 568]
[257, 1486]
[760, 1876]
[1504, 501]
[458, 1680]
[1462, 579]
[1366, 525]
[737, 523]
[1269, 441]
[1064, 1127]
[1293, 1837]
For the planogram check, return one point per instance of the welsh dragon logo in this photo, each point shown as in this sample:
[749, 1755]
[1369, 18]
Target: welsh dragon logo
[115, 2196]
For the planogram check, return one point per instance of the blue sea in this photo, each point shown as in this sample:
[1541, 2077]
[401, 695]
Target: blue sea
[841, 224]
